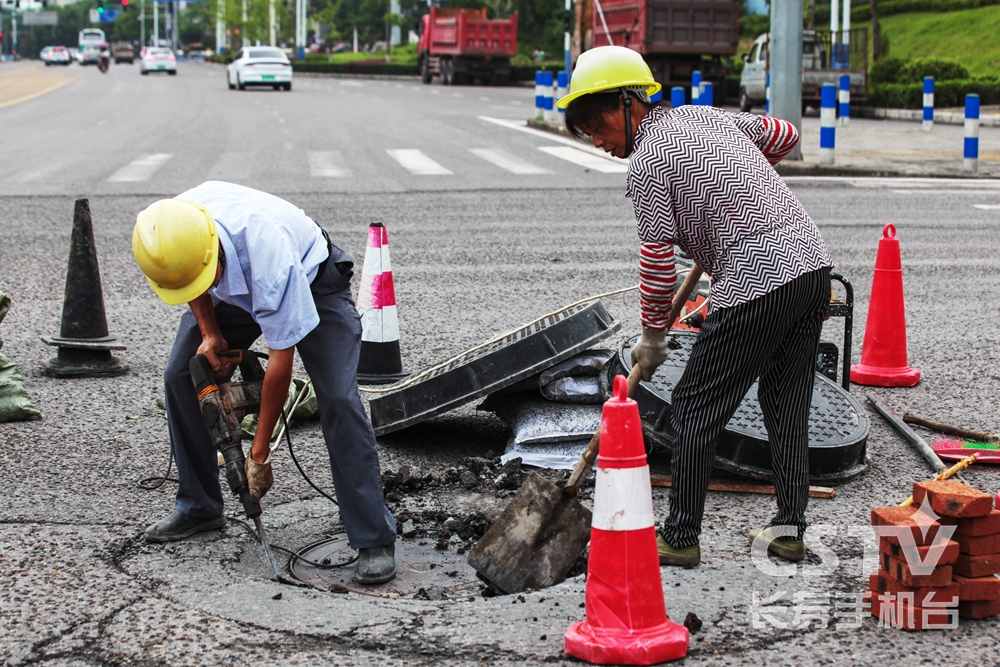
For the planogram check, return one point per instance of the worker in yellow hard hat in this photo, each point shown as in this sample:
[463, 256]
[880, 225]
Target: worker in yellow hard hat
[249, 264]
[702, 179]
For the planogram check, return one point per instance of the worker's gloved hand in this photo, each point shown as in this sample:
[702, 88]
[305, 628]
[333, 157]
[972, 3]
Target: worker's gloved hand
[650, 352]
[259, 477]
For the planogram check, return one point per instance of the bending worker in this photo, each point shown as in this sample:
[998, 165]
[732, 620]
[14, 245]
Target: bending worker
[703, 179]
[248, 263]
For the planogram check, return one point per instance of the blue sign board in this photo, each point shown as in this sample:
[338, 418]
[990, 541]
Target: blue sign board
[109, 15]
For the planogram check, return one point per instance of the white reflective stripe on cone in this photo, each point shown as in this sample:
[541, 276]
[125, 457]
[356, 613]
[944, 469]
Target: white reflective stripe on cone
[623, 499]
[376, 261]
[379, 325]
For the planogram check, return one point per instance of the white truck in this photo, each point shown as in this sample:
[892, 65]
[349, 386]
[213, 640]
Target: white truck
[823, 61]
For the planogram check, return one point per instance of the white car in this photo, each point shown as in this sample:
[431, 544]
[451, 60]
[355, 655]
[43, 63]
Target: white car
[260, 66]
[55, 55]
[157, 59]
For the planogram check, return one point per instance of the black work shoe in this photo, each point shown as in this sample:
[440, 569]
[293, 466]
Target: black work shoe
[376, 565]
[178, 525]
[793, 550]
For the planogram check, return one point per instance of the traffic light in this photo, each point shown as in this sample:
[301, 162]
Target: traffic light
[124, 5]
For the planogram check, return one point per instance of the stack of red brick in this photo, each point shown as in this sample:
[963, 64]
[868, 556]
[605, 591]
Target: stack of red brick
[964, 566]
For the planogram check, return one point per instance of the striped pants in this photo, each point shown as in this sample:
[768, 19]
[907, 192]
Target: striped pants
[774, 338]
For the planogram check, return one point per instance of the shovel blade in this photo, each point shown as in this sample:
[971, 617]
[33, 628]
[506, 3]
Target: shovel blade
[535, 540]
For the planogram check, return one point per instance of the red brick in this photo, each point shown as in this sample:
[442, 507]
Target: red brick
[977, 566]
[912, 617]
[980, 526]
[900, 571]
[949, 497]
[979, 609]
[903, 517]
[978, 546]
[980, 588]
[880, 582]
[946, 551]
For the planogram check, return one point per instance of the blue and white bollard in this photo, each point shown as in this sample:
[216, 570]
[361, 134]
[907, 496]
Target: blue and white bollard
[845, 100]
[562, 84]
[827, 123]
[677, 98]
[928, 103]
[539, 96]
[767, 95]
[707, 94]
[695, 87]
[971, 162]
[548, 85]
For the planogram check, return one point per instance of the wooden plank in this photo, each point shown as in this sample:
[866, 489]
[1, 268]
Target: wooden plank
[743, 487]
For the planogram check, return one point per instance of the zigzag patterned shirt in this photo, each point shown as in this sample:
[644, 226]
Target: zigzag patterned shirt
[702, 178]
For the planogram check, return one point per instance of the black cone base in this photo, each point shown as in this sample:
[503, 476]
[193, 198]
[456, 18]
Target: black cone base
[380, 363]
[76, 363]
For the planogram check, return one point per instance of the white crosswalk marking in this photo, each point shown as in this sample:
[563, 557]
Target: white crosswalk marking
[505, 160]
[327, 164]
[988, 207]
[140, 169]
[585, 160]
[231, 166]
[417, 163]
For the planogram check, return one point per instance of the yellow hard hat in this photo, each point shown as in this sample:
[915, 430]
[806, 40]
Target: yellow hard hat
[176, 245]
[607, 68]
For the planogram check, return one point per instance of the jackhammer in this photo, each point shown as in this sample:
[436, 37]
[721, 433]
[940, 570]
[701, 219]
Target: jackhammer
[223, 406]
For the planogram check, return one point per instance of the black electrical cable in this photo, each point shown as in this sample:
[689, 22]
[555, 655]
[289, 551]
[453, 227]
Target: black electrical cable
[294, 554]
[147, 484]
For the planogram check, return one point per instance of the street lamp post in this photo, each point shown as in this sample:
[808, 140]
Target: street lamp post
[786, 65]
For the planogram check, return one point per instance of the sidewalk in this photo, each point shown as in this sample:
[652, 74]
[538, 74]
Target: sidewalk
[989, 116]
[870, 147]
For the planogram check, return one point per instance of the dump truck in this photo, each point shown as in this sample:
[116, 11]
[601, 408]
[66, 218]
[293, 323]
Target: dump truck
[675, 37]
[463, 45]
[826, 57]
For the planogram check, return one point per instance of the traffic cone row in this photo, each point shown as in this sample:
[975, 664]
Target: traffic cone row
[626, 617]
[380, 361]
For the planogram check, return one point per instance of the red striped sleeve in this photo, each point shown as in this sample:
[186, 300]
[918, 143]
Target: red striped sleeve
[779, 139]
[657, 281]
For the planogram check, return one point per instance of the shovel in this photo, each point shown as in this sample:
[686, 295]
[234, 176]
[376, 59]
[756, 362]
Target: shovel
[544, 530]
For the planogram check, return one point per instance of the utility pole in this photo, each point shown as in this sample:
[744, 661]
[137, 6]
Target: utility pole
[876, 34]
[220, 27]
[156, 23]
[567, 49]
[270, 23]
[300, 29]
[142, 24]
[845, 26]
[243, 28]
[786, 65]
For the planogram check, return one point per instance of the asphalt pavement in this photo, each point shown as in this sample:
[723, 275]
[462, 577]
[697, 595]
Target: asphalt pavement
[475, 252]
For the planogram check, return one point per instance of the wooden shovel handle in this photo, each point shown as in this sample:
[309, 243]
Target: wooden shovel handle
[978, 436]
[586, 461]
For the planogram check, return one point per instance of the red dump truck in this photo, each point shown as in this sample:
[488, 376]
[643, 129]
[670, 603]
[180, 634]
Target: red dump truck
[462, 45]
[675, 37]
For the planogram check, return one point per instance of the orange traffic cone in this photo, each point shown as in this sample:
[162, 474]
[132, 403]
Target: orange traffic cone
[380, 361]
[883, 355]
[626, 617]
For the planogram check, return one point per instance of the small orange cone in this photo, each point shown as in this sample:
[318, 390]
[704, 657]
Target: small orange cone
[883, 355]
[626, 617]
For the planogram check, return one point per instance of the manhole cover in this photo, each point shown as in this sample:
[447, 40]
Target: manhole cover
[523, 353]
[421, 571]
[838, 425]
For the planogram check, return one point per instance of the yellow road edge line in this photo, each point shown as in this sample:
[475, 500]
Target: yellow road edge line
[39, 93]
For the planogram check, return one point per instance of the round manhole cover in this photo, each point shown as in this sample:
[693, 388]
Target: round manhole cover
[421, 570]
[838, 425]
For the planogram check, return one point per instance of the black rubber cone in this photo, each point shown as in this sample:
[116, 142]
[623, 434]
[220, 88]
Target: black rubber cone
[83, 341]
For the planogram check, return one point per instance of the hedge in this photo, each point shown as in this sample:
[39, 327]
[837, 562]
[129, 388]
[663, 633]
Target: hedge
[946, 94]
[863, 12]
[357, 68]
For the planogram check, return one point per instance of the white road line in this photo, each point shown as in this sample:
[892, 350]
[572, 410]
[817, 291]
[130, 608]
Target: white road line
[327, 164]
[140, 169]
[505, 160]
[586, 160]
[892, 183]
[354, 84]
[521, 126]
[417, 163]
[232, 165]
[987, 207]
[948, 191]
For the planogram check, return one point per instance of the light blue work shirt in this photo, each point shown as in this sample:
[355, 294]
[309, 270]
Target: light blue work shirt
[273, 251]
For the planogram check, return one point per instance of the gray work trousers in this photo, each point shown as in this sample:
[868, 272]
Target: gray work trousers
[330, 356]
